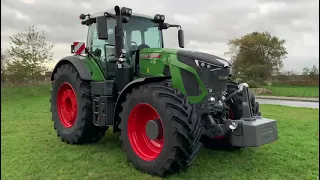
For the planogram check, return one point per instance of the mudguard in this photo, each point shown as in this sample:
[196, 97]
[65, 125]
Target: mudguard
[128, 88]
[77, 63]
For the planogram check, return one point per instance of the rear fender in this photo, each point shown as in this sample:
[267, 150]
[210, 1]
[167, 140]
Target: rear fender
[77, 63]
[127, 89]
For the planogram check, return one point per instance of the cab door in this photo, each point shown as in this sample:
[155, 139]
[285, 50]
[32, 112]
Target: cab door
[102, 50]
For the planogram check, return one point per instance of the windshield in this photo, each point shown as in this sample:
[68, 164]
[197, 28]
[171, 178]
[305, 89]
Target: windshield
[140, 31]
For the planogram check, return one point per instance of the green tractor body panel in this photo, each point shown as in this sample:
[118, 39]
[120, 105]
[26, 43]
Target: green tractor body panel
[95, 70]
[153, 62]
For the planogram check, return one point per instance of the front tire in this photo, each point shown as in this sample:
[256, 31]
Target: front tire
[72, 109]
[177, 143]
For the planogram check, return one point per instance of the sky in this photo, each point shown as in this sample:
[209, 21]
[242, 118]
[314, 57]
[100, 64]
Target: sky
[207, 24]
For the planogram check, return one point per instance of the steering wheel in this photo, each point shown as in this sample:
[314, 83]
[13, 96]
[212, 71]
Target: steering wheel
[132, 42]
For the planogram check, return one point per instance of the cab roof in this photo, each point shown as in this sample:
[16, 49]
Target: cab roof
[111, 11]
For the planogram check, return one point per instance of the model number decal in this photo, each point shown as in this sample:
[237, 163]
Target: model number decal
[150, 56]
[267, 134]
[222, 78]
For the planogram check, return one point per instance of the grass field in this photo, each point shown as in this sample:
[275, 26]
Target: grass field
[295, 91]
[31, 150]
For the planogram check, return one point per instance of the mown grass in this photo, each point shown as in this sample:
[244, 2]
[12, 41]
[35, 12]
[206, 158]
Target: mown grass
[31, 150]
[19, 92]
[294, 91]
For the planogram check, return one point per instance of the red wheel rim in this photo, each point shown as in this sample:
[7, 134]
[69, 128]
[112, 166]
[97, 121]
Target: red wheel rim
[67, 105]
[144, 147]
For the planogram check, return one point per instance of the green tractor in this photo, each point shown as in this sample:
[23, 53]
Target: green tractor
[164, 103]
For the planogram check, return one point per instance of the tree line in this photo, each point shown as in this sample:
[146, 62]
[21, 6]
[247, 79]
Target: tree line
[256, 57]
[25, 61]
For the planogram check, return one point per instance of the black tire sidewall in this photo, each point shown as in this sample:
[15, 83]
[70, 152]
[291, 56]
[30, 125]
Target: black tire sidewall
[68, 77]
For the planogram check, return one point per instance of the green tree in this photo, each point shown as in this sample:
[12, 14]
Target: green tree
[305, 71]
[4, 61]
[29, 53]
[257, 56]
[314, 71]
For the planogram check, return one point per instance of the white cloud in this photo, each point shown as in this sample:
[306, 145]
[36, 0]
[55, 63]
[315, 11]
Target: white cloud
[85, 5]
[208, 25]
[29, 1]
[271, 7]
[185, 19]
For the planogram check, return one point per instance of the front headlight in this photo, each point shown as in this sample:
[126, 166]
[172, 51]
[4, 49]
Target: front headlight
[206, 65]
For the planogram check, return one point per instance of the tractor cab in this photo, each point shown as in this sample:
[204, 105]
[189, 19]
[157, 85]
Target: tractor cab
[140, 32]
[109, 40]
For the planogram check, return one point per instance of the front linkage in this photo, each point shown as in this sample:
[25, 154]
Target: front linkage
[251, 130]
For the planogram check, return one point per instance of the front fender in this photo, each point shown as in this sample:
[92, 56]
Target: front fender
[77, 63]
[128, 88]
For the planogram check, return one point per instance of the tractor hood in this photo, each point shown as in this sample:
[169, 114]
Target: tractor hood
[190, 55]
[201, 56]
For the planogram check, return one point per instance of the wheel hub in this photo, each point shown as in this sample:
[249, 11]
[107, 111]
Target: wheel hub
[153, 129]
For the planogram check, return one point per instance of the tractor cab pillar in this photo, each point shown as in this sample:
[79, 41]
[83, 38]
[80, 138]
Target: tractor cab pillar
[124, 71]
[117, 65]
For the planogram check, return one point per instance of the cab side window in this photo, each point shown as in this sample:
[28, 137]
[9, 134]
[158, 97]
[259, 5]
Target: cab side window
[102, 49]
[98, 45]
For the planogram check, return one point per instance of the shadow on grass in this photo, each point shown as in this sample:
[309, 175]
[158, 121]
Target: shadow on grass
[208, 164]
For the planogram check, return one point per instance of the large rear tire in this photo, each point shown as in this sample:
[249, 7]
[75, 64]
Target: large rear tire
[177, 142]
[72, 109]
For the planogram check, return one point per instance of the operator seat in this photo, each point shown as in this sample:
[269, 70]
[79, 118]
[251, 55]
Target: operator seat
[136, 59]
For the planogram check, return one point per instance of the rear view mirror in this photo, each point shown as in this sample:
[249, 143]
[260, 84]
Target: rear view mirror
[102, 28]
[181, 38]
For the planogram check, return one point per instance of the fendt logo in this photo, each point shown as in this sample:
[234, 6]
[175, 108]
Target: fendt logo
[267, 134]
[150, 56]
[223, 78]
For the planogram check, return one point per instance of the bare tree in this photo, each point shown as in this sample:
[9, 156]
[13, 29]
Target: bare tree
[4, 61]
[29, 53]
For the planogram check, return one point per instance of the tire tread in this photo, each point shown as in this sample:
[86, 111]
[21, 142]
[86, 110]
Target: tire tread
[86, 132]
[185, 123]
